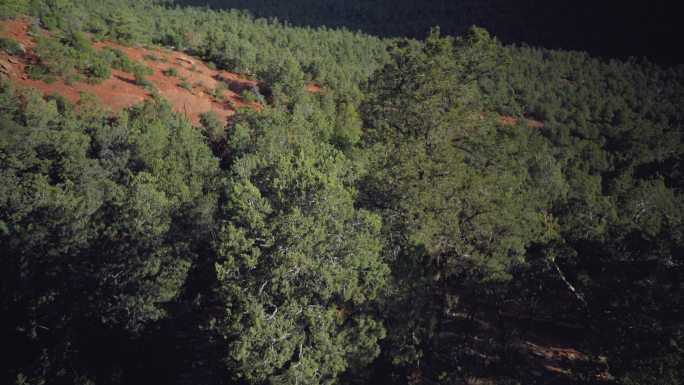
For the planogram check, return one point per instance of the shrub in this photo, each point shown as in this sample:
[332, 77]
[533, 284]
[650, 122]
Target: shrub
[9, 9]
[187, 86]
[171, 72]
[56, 59]
[155, 93]
[249, 96]
[98, 70]
[77, 40]
[63, 104]
[141, 71]
[36, 71]
[213, 124]
[10, 45]
[150, 56]
[141, 68]
[120, 59]
[216, 96]
[220, 87]
[70, 78]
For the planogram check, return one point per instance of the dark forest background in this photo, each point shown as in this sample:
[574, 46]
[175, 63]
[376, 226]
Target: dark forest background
[604, 28]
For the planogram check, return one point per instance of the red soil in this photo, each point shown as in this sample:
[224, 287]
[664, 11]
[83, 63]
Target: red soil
[120, 90]
[314, 88]
[508, 120]
[513, 121]
[552, 351]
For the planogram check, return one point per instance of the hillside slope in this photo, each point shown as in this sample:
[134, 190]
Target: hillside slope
[605, 28]
[120, 89]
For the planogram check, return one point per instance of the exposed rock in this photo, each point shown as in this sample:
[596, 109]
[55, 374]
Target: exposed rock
[186, 60]
[7, 69]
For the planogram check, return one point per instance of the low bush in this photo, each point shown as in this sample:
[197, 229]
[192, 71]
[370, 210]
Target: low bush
[10, 45]
[120, 59]
[171, 72]
[213, 124]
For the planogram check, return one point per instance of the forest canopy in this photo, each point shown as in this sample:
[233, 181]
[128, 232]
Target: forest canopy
[444, 209]
[606, 28]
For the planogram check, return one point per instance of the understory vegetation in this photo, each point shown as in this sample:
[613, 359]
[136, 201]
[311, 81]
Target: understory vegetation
[353, 235]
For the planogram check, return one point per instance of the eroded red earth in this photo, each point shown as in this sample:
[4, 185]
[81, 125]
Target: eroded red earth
[314, 88]
[514, 121]
[120, 90]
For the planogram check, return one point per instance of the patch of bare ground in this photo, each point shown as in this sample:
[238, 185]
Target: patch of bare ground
[514, 121]
[314, 88]
[513, 344]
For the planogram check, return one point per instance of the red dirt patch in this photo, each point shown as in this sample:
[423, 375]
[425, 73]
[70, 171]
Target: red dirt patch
[314, 88]
[120, 90]
[535, 123]
[514, 121]
[508, 120]
[18, 30]
[558, 352]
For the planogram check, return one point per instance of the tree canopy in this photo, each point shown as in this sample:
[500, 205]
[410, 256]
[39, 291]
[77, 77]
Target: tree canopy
[426, 211]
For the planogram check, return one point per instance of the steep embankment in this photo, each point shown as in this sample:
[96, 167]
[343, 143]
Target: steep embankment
[187, 91]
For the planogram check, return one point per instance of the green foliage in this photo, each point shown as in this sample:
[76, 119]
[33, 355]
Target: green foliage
[124, 26]
[10, 45]
[150, 56]
[213, 124]
[343, 226]
[56, 59]
[285, 79]
[13, 8]
[140, 71]
[76, 39]
[614, 128]
[60, 58]
[119, 59]
[220, 87]
[171, 71]
[451, 186]
[98, 69]
[299, 265]
[584, 26]
[248, 96]
[185, 84]
[121, 195]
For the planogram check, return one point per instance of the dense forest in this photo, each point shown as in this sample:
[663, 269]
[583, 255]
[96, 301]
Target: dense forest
[608, 28]
[438, 208]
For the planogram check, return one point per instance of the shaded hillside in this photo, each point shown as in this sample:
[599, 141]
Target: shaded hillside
[605, 28]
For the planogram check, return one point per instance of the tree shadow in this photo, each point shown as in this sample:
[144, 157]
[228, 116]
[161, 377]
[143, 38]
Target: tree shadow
[233, 85]
[127, 80]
